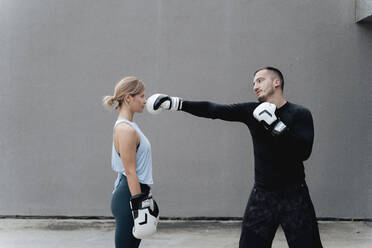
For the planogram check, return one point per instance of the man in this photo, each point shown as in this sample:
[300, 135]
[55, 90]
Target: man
[283, 135]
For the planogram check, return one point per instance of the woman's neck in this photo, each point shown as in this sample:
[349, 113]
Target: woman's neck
[126, 114]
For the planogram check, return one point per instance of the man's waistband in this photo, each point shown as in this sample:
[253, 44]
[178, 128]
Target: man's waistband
[281, 187]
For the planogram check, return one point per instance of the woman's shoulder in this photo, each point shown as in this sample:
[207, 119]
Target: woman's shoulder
[126, 129]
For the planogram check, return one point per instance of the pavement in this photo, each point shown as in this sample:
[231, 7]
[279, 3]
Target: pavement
[71, 233]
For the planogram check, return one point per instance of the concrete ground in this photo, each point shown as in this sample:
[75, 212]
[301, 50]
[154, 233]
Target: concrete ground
[51, 233]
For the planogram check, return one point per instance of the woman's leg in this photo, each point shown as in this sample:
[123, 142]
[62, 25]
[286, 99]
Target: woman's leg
[121, 210]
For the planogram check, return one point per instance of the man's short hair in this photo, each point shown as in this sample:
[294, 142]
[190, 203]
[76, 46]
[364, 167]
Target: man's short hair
[275, 71]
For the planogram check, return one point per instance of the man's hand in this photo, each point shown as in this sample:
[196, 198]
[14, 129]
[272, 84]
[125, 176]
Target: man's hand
[156, 103]
[265, 113]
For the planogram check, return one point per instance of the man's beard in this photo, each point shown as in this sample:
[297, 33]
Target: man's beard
[264, 98]
[261, 99]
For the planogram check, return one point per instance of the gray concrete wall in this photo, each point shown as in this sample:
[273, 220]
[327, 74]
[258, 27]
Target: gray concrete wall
[58, 58]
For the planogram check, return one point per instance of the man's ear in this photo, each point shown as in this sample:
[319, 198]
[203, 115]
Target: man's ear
[277, 82]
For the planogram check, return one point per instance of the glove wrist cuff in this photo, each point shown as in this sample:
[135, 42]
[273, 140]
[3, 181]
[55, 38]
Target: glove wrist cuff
[180, 104]
[279, 127]
[136, 200]
[176, 103]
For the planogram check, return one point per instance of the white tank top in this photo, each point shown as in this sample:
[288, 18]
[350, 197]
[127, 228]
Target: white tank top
[143, 158]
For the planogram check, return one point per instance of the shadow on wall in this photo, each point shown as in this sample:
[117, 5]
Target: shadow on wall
[366, 24]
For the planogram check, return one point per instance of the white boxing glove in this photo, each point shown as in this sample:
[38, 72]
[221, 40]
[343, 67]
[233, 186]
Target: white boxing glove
[265, 113]
[145, 214]
[156, 103]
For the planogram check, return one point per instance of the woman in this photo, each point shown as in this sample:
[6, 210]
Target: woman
[131, 159]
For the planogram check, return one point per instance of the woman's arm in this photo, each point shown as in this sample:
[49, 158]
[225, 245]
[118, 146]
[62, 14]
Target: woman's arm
[128, 140]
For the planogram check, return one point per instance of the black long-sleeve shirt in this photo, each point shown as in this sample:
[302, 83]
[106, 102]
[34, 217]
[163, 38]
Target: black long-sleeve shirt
[278, 159]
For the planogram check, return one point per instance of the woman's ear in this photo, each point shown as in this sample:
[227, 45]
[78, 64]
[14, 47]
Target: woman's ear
[127, 98]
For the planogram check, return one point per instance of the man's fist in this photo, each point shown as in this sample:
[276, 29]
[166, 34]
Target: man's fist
[156, 103]
[265, 113]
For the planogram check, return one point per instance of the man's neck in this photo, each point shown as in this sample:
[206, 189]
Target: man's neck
[279, 101]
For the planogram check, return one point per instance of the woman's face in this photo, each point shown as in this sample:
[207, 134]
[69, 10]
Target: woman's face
[137, 102]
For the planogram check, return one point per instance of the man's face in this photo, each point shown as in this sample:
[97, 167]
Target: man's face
[263, 85]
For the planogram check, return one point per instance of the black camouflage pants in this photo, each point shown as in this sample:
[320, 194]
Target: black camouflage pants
[290, 207]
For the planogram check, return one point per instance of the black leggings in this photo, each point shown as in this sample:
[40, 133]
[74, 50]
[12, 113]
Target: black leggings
[290, 207]
[122, 212]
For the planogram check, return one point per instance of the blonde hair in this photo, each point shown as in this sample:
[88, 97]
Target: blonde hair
[128, 85]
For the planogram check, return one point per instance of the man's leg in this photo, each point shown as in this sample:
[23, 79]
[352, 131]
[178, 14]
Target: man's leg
[259, 222]
[298, 219]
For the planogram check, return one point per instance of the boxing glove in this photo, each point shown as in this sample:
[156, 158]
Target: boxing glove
[145, 214]
[156, 103]
[265, 113]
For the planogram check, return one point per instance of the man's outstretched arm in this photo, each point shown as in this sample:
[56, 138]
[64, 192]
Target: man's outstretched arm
[229, 112]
